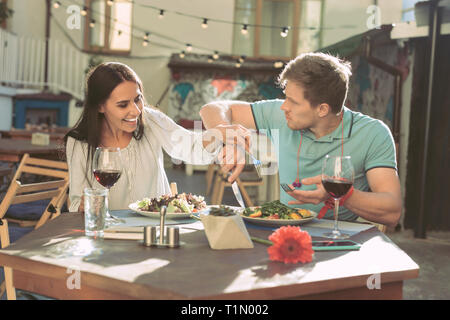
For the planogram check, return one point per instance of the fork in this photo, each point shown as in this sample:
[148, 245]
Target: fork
[257, 163]
[286, 187]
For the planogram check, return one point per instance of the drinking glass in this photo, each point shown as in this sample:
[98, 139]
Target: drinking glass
[337, 178]
[95, 208]
[107, 167]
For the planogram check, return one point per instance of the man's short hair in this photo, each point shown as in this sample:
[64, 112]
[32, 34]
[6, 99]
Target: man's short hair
[323, 77]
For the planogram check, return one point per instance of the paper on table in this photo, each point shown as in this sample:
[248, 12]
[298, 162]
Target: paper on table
[123, 236]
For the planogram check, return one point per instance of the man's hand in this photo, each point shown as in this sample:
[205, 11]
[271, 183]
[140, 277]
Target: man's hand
[311, 196]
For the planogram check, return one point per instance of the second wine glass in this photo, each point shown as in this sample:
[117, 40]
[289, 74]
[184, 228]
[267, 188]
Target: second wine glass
[337, 179]
[107, 169]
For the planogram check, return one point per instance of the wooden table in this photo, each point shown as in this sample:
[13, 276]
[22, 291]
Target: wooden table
[19, 134]
[12, 150]
[43, 260]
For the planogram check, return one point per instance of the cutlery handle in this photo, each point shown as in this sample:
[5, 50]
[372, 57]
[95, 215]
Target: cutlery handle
[161, 227]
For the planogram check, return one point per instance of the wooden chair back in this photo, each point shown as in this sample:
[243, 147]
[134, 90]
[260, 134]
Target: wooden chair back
[55, 190]
[7, 284]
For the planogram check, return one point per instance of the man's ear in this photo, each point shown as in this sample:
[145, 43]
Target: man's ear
[324, 109]
[101, 108]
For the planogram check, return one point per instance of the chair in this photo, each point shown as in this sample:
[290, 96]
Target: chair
[7, 284]
[245, 179]
[210, 173]
[55, 190]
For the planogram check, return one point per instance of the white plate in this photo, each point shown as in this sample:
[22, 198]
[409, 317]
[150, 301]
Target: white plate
[134, 207]
[278, 222]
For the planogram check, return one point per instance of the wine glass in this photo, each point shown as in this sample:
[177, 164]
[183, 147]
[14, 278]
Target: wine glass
[337, 178]
[107, 167]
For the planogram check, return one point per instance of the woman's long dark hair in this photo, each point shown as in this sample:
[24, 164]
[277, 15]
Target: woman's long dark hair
[100, 82]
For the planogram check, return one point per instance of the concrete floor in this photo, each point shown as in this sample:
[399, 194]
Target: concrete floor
[431, 254]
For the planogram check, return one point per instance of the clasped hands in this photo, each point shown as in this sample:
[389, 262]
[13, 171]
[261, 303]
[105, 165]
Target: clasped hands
[236, 140]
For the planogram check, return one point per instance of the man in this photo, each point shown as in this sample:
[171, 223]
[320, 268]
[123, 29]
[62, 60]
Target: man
[312, 122]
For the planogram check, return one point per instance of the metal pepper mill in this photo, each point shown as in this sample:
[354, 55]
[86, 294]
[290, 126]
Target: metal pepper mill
[171, 239]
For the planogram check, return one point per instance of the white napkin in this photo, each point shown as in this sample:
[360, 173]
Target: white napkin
[226, 232]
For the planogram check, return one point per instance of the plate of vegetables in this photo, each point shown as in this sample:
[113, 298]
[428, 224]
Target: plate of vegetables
[178, 206]
[275, 214]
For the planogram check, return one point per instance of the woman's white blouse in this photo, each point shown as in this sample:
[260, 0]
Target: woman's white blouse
[143, 172]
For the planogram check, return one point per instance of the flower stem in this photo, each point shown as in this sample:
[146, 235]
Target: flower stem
[266, 242]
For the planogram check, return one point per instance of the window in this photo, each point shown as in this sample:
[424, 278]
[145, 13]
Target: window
[108, 27]
[408, 10]
[260, 41]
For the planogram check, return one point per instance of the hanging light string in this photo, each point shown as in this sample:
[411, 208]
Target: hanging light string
[74, 44]
[204, 24]
[232, 22]
[146, 33]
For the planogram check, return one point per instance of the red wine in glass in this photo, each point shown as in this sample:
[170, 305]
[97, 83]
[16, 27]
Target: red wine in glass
[337, 188]
[337, 179]
[107, 169]
[107, 178]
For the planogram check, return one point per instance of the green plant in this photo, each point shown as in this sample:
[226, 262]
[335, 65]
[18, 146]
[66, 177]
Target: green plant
[94, 61]
[5, 12]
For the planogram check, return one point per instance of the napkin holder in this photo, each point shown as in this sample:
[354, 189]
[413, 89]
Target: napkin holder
[40, 139]
[226, 232]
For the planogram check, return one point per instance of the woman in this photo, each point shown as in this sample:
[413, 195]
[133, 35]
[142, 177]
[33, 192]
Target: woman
[114, 115]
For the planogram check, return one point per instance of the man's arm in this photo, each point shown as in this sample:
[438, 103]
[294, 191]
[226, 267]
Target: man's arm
[226, 113]
[382, 205]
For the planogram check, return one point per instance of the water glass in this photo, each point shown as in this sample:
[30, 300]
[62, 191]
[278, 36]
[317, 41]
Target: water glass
[95, 208]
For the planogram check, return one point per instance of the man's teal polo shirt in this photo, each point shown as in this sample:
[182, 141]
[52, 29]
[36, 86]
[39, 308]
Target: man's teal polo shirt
[367, 140]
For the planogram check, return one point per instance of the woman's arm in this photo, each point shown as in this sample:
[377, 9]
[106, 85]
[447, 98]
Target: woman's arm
[194, 147]
[76, 161]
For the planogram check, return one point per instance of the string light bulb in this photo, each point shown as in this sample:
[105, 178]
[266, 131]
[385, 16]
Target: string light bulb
[92, 24]
[284, 32]
[238, 64]
[215, 55]
[145, 42]
[188, 47]
[84, 11]
[205, 23]
[147, 34]
[210, 59]
[161, 14]
[241, 59]
[182, 54]
[277, 64]
[110, 2]
[244, 29]
[56, 4]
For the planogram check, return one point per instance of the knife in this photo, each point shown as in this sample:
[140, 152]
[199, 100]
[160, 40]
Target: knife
[237, 194]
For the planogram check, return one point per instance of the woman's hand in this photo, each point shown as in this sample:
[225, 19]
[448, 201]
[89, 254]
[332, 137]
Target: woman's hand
[311, 196]
[235, 139]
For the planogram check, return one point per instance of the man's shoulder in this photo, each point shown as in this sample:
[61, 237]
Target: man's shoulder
[366, 122]
[267, 103]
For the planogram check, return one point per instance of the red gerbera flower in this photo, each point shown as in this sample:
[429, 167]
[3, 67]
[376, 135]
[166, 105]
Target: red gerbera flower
[290, 245]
